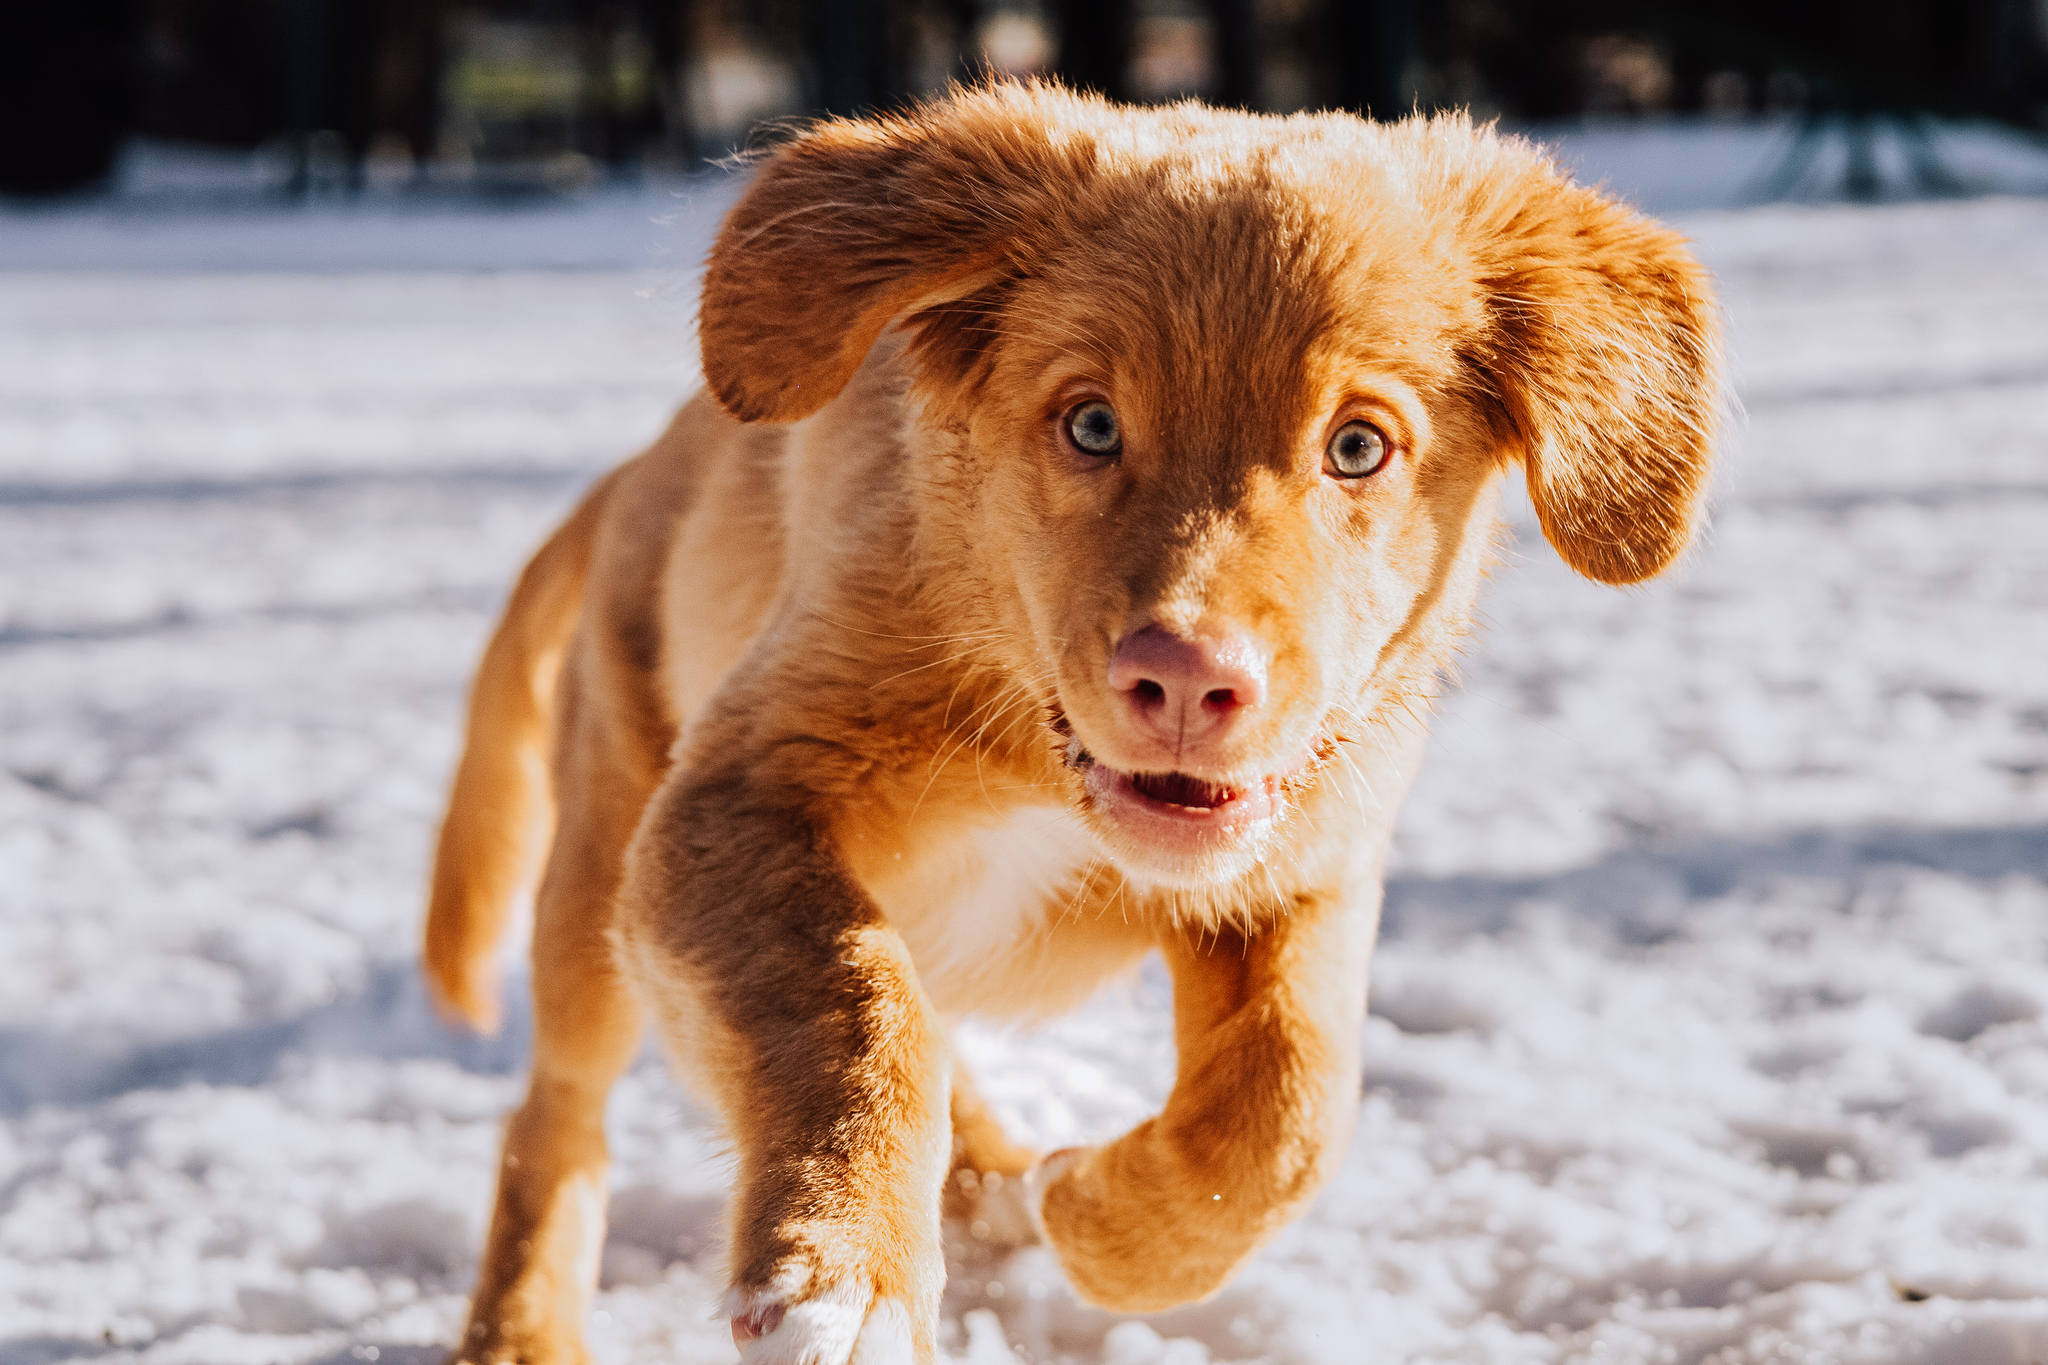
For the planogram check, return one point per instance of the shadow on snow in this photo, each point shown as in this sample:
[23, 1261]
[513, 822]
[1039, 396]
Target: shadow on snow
[1641, 895]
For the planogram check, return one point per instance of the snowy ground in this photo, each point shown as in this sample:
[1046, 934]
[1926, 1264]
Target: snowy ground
[1712, 1020]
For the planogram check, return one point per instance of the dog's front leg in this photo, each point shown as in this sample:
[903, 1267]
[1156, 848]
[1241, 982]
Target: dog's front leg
[1268, 1029]
[783, 991]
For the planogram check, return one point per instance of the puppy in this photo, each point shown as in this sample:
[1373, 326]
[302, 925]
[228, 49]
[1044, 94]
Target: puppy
[1082, 507]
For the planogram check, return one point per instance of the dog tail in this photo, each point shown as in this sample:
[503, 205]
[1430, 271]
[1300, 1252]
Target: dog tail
[501, 811]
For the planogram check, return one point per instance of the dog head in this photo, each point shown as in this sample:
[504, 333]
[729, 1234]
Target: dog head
[1216, 402]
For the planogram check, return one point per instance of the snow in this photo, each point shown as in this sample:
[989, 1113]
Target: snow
[178, 208]
[1680, 164]
[1711, 1023]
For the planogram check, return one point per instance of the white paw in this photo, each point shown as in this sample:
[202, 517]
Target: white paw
[843, 1324]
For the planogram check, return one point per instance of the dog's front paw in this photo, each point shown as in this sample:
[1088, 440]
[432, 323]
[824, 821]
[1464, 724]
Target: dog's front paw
[1107, 1231]
[844, 1323]
[1039, 1180]
[1104, 1212]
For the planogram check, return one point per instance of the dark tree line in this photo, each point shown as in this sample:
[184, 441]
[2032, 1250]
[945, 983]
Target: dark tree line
[78, 77]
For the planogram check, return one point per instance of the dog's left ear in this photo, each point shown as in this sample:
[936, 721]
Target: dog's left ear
[1603, 347]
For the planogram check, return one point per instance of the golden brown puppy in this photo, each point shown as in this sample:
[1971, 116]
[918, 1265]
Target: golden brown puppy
[1083, 500]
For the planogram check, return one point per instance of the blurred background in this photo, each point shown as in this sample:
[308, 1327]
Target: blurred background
[341, 97]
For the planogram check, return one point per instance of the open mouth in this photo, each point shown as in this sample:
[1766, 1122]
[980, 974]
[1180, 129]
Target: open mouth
[1190, 794]
[1179, 806]
[1181, 812]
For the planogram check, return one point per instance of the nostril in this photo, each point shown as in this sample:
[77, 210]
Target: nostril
[1194, 687]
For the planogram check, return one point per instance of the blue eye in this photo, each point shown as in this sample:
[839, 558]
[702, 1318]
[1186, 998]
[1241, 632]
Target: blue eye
[1357, 449]
[1093, 427]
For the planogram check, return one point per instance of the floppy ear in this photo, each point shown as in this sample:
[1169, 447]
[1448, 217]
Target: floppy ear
[857, 223]
[1604, 349]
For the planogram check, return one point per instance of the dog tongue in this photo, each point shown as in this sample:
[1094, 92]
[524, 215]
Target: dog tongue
[1178, 789]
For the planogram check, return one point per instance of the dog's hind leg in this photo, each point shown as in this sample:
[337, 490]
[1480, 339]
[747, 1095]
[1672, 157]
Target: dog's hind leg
[1268, 1035]
[979, 1142]
[547, 1229]
[985, 1190]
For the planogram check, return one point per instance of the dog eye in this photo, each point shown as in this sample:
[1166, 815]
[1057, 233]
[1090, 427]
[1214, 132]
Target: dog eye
[1358, 449]
[1094, 428]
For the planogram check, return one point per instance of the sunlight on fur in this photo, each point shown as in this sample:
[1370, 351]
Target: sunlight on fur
[1085, 504]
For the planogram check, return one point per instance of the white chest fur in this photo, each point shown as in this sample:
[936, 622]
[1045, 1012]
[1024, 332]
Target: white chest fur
[1004, 919]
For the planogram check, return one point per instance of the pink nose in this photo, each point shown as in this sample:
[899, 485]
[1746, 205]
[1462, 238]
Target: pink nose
[1187, 693]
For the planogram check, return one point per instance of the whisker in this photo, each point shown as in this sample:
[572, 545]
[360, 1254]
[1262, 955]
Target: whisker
[1095, 862]
[935, 663]
[947, 752]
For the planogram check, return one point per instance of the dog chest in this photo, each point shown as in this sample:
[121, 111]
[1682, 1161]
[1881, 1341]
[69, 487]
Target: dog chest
[1007, 919]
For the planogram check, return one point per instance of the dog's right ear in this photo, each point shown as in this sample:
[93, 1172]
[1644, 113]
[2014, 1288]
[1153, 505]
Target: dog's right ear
[857, 223]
